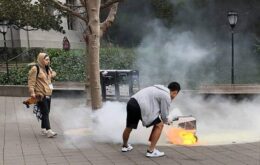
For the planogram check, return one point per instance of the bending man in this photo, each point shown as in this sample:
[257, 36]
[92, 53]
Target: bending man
[151, 106]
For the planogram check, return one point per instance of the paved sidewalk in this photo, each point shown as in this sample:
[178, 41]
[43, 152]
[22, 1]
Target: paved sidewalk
[22, 144]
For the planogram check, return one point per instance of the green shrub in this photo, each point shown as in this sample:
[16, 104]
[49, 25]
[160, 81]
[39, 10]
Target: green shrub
[16, 76]
[70, 65]
[116, 58]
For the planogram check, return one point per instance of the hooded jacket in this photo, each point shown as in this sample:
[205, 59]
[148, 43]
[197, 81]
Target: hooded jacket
[39, 85]
[154, 101]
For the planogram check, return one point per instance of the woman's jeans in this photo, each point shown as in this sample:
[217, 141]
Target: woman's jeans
[45, 106]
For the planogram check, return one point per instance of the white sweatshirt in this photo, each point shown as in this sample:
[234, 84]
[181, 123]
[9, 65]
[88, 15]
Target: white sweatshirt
[154, 101]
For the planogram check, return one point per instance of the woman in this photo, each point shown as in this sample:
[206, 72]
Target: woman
[39, 83]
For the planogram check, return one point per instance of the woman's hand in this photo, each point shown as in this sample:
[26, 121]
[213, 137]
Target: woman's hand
[33, 95]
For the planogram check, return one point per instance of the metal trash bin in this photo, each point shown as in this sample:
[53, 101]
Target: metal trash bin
[119, 84]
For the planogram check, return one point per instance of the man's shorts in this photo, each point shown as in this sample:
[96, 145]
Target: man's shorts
[133, 114]
[156, 121]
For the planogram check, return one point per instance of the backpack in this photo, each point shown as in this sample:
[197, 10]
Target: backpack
[38, 70]
[37, 67]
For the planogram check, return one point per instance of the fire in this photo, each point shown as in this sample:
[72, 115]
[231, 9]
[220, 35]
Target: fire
[181, 136]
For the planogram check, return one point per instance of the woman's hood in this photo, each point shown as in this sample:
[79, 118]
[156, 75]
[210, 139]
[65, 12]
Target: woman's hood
[40, 59]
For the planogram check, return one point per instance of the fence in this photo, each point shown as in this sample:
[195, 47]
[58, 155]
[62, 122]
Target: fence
[11, 59]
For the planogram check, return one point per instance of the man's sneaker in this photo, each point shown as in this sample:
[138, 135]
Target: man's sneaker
[126, 149]
[51, 134]
[44, 132]
[154, 154]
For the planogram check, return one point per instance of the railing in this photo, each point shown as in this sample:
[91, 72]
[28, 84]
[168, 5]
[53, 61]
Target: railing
[19, 60]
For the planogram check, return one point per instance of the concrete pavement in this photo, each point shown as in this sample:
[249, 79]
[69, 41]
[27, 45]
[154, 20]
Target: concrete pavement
[22, 144]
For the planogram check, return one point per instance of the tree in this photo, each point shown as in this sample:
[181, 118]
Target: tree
[164, 10]
[39, 15]
[89, 12]
[24, 13]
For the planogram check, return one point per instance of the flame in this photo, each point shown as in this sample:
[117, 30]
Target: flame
[181, 136]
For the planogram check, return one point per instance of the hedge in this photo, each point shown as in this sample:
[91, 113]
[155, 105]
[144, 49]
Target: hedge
[70, 65]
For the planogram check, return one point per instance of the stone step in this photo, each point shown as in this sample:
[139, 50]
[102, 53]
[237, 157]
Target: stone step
[230, 88]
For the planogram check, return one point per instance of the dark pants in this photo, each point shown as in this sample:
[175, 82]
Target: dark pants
[45, 106]
[133, 114]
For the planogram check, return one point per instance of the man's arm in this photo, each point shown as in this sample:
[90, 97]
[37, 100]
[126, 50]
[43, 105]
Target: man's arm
[165, 106]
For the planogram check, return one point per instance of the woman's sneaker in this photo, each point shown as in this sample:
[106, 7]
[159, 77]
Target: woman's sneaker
[126, 149]
[154, 154]
[44, 132]
[51, 134]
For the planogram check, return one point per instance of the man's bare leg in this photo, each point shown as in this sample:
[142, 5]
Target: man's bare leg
[155, 135]
[126, 135]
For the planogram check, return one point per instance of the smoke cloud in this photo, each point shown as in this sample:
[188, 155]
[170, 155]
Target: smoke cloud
[195, 51]
[219, 120]
[197, 48]
[167, 55]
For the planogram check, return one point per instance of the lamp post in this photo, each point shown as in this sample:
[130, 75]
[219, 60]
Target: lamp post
[3, 30]
[232, 18]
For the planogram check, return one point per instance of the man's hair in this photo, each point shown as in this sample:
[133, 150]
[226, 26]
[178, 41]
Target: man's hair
[174, 86]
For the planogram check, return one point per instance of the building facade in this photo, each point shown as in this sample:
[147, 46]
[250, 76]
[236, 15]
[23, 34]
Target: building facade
[47, 39]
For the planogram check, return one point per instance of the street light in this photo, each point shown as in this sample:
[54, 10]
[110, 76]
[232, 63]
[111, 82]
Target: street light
[3, 30]
[232, 18]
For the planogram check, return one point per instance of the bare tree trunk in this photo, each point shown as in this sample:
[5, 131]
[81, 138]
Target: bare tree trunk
[87, 81]
[93, 33]
[93, 53]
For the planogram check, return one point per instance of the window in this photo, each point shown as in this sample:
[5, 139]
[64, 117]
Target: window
[70, 18]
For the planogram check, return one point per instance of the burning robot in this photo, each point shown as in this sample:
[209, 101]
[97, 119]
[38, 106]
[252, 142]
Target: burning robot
[183, 131]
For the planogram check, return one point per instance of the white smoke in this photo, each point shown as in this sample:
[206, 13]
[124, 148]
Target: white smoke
[169, 54]
[163, 56]
[219, 120]
[70, 113]
[110, 122]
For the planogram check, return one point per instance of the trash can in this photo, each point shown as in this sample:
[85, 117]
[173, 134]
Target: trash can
[119, 84]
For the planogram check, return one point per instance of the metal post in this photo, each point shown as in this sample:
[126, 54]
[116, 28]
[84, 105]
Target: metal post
[232, 18]
[28, 39]
[12, 41]
[232, 52]
[6, 59]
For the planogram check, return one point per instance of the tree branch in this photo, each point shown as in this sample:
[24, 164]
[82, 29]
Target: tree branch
[74, 7]
[108, 3]
[17, 27]
[83, 3]
[65, 8]
[110, 19]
